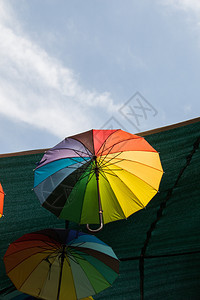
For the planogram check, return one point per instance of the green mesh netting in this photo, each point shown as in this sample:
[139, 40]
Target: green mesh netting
[159, 247]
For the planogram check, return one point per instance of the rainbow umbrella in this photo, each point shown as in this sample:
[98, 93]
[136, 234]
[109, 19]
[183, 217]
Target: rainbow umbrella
[2, 194]
[60, 264]
[98, 176]
[23, 297]
[28, 297]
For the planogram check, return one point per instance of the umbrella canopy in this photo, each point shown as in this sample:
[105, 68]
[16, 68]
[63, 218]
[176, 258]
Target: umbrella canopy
[2, 194]
[60, 264]
[100, 172]
[23, 297]
[28, 297]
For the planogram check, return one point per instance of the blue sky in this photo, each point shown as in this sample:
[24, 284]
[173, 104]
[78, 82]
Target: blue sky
[69, 66]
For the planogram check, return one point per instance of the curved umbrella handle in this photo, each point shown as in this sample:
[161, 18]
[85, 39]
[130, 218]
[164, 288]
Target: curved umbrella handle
[101, 223]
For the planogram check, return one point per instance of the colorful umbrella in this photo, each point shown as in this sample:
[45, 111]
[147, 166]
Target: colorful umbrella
[98, 176]
[23, 297]
[60, 264]
[2, 194]
[28, 297]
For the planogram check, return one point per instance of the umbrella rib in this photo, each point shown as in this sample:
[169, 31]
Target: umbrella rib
[121, 169]
[78, 179]
[81, 155]
[75, 150]
[109, 173]
[79, 171]
[68, 261]
[79, 162]
[134, 161]
[123, 141]
[104, 143]
[31, 273]
[87, 150]
[113, 163]
[102, 160]
[52, 255]
[87, 275]
[26, 259]
[17, 242]
[79, 244]
[58, 198]
[114, 194]
[85, 254]
[31, 240]
[103, 164]
[88, 180]
[48, 244]
[99, 255]
[102, 174]
[111, 147]
[72, 256]
[42, 248]
[69, 167]
[139, 177]
[86, 175]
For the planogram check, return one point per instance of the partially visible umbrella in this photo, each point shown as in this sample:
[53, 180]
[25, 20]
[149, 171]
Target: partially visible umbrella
[98, 176]
[60, 264]
[23, 297]
[2, 194]
[28, 297]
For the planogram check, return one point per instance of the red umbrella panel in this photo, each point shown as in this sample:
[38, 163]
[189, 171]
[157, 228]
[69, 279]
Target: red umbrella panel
[2, 194]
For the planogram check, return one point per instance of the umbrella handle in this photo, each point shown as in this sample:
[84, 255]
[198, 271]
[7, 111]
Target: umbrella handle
[101, 223]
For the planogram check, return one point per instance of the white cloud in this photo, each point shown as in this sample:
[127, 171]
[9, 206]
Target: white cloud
[37, 89]
[190, 10]
[189, 6]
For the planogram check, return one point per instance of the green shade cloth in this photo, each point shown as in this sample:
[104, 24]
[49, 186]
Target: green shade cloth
[166, 232]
